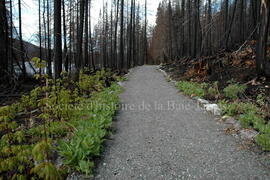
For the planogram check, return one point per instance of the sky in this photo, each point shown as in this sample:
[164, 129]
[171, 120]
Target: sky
[30, 15]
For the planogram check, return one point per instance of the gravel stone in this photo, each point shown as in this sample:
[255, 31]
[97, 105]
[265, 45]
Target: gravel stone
[213, 108]
[185, 142]
[248, 133]
[202, 101]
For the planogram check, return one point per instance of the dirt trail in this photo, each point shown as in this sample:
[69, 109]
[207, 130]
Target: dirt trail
[160, 134]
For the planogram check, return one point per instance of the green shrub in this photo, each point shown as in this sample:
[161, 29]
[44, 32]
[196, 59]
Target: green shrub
[191, 88]
[258, 123]
[7, 113]
[236, 108]
[246, 119]
[251, 119]
[261, 98]
[230, 109]
[91, 126]
[265, 129]
[233, 90]
[264, 141]
[249, 107]
[203, 85]
[213, 92]
[56, 129]
[31, 128]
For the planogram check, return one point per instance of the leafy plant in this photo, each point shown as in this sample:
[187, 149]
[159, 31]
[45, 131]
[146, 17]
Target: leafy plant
[47, 171]
[191, 88]
[89, 84]
[233, 90]
[263, 140]
[251, 119]
[265, 129]
[236, 108]
[90, 130]
[42, 150]
[213, 90]
[7, 113]
[50, 113]
[261, 99]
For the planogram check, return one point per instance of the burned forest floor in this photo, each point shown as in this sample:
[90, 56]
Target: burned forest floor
[230, 80]
[238, 66]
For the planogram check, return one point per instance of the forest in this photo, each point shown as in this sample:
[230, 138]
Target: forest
[59, 94]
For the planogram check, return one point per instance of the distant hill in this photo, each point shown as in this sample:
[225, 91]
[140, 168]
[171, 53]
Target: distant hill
[30, 49]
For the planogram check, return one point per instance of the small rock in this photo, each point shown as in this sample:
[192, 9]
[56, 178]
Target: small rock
[59, 162]
[115, 173]
[224, 118]
[228, 120]
[248, 133]
[202, 101]
[120, 84]
[213, 108]
[237, 125]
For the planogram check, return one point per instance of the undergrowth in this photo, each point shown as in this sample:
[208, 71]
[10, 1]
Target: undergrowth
[233, 90]
[199, 89]
[250, 114]
[97, 113]
[191, 88]
[32, 130]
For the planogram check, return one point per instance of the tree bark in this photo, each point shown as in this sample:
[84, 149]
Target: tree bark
[80, 36]
[122, 37]
[49, 61]
[228, 33]
[3, 38]
[145, 34]
[86, 41]
[116, 64]
[57, 39]
[40, 35]
[22, 53]
[11, 39]
[91, 41]
[65, 54]
[262, 65]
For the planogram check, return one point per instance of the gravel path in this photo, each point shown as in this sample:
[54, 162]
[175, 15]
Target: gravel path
[155, 140]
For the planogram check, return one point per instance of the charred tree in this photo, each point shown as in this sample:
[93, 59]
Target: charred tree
[57, 39]
[3, 40]
[262, 64]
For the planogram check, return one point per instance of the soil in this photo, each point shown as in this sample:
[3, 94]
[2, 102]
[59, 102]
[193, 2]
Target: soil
[239, 67]
[11, 93]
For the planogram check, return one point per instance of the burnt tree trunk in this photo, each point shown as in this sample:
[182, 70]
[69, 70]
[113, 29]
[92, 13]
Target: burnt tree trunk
[65, 54]
[122, 36]
[86, 42]
[49, 61]
[3, 38]
[57, 39]
[262, 64]
[22, 54]
[80, 36]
